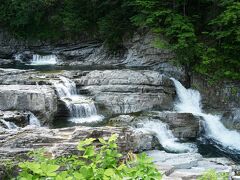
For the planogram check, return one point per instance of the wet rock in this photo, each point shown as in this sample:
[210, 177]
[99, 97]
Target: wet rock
[41, 100]
[127, 91]
[17, 117]
[183, 125]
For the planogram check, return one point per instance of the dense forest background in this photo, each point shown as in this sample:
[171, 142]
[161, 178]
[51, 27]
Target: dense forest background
[204, 34]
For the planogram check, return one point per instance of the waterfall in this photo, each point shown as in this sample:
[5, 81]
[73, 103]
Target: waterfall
[33, 120]
[166, 137]
[44, 59]
[190, 102]
[81, 108]
[8, 125]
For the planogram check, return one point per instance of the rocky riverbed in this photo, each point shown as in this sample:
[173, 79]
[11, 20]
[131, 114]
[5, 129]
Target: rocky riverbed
[113, 96]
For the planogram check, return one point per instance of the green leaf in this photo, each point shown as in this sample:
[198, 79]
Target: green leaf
[102, 141]
[113, 138]
[78, 176]
[109, 172]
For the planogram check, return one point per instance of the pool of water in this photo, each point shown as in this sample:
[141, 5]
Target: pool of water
[51, 67]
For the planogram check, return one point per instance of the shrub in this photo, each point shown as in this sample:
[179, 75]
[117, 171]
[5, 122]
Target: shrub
[94, 163]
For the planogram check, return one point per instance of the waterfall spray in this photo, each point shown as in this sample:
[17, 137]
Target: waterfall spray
[190, 102]
[33, 120]
[81, 108]
[166, 137]
[8, 125]
[44, 60]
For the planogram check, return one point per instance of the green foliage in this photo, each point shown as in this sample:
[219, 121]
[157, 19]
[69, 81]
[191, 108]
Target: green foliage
[94, 163]
[222, 59]
[67, 19]
[204, 34]
[213, 175]
[205, 40]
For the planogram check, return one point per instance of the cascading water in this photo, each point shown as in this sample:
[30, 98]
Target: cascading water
[33, 120]
[166, 137]
[82, 109]
[8, 125]
[44, 60]
[190, 102]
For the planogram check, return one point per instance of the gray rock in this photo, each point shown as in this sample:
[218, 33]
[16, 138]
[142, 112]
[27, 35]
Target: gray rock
[179, 161]
[64, 141]
[220, 96]
[17, 117]
[183, 125]
[127, 91]
[139, 52]
[41, 100]
[231, 119]
[188, 166]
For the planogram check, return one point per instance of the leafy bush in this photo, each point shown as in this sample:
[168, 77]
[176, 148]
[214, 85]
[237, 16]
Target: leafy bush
[94, 163]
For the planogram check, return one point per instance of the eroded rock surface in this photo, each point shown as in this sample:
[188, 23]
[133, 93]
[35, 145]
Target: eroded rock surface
[63, 141]
[40, 100]
[138, 51]
[126, 91]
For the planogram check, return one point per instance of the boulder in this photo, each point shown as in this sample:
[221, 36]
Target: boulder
[127, 91]
[40, 100]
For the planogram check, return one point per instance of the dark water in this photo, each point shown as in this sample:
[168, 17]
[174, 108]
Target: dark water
[23, 66]
[209, 148]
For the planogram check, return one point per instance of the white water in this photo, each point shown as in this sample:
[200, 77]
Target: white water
[44, 60]
[9, 125]
[190, 102]
[18, 57]
[33, 120]
[166, 137]
[81, 108]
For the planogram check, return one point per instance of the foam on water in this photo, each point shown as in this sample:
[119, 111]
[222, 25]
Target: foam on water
[190, 102]
[33, 120]
[44, 60]
[166, 137]
[8, 125]
[81, 108]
